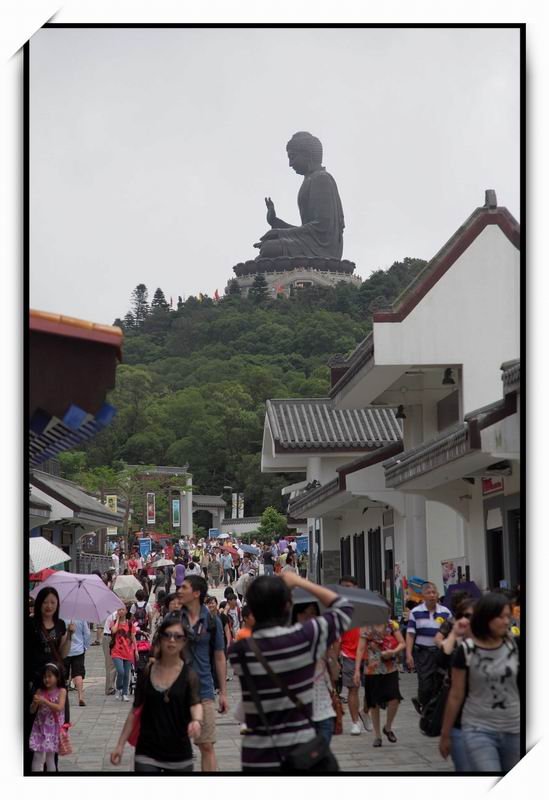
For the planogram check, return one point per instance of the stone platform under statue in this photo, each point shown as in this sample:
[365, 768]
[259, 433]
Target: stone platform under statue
[284, 274]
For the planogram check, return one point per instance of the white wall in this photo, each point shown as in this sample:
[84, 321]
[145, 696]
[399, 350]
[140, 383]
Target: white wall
[445, 538]
[471, 316]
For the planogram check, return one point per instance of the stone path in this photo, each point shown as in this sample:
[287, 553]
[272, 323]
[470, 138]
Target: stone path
[98, 725]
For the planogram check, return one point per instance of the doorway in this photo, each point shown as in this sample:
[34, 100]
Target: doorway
[495, 559]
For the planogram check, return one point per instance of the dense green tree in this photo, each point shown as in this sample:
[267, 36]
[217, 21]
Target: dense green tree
[259, 290]
[140, 304]
[272, 523]
[233, 287]
[159, 301]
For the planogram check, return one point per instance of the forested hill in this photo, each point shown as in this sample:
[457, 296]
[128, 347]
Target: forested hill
[194, 379]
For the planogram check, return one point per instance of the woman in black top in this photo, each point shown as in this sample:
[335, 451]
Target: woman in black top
[47, 640]
[448, 639]
[168, 694]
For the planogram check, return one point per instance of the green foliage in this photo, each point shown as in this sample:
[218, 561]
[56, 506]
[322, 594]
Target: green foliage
[259, 290]
[194, 380]
[272, 524]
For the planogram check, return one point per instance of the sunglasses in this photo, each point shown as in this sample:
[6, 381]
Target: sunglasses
[468, 615]
[176, 637]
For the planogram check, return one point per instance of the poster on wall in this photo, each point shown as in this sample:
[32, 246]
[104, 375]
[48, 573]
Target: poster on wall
[151, 508]
[453, 571]
[176, 512]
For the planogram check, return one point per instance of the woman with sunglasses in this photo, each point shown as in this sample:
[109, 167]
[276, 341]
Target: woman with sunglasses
[485, 682]
[449, 638]
[171, 712]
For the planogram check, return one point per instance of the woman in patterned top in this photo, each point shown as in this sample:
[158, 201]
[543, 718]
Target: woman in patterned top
[382, 643]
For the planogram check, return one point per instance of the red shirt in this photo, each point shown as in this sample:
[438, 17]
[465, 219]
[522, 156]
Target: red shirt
[169, 551]
[123, 646]
[349, 643]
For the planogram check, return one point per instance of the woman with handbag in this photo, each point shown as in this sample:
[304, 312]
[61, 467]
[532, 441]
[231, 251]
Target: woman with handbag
[325, 697]
[276, 668]
[383, 643]
[167, 711]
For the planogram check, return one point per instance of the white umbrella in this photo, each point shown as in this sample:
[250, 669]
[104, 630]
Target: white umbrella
[223, 536]
[44, 554]
[83, 597]
[163, 562]
[125, 587]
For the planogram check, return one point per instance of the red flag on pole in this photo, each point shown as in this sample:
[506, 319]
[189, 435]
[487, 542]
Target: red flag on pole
[216, 295]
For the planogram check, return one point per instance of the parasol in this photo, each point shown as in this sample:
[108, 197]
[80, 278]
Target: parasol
[125, 587]
[44, 554]
[83, 597]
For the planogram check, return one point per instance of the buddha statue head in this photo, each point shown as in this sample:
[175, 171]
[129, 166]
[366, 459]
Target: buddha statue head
[304, 153]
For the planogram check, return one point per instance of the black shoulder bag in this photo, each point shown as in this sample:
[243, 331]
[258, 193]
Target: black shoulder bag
[312, 756]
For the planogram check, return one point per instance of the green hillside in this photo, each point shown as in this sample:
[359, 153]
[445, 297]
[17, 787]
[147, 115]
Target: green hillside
[194, 379]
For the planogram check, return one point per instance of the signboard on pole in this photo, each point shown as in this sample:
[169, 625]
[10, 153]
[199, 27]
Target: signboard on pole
[151, 509]
[213, 533]
[234, 508]
[144, 547]
[240, 514]
[176, 512]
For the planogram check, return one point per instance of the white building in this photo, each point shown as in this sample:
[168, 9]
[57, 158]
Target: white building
[439, 356]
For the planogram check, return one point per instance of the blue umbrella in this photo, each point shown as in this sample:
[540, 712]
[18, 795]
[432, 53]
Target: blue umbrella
[247, 548]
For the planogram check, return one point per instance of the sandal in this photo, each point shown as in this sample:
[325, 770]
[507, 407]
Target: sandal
[377, 743]
[390, 735]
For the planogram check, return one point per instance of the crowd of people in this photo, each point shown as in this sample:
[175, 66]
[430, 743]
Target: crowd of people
[175, 643]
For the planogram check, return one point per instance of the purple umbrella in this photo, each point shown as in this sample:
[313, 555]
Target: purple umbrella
[83, 597]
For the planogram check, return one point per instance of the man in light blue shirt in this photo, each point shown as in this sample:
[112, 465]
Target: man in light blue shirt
[74, 662]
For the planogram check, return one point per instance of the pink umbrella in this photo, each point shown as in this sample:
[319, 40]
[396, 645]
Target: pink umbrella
[83, 597]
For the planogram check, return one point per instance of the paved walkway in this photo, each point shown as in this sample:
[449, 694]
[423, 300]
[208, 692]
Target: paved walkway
[97, 727]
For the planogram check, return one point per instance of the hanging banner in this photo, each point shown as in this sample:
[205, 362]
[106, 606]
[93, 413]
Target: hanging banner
[111, 501]
[151, 508]
[234, 509]
[240, 514]
[176, 512]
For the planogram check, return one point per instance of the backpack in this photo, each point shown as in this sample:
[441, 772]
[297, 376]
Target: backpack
[141, 617]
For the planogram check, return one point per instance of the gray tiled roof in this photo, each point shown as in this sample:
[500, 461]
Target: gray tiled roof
[208, 500]
[75, 498]
[510, 375]
[314, 423]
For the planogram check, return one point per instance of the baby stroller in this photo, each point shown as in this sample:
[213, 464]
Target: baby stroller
[142, 658]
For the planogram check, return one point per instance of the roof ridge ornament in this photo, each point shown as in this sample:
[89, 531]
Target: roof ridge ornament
[490, 199]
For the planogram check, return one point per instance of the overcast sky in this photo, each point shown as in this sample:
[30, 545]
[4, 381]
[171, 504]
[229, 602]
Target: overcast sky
[152, 149]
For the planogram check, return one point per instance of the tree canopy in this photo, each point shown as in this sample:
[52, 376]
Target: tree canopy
[195, 378]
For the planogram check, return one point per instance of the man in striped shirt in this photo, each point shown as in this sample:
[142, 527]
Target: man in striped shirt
[423, 625]
[292, 653]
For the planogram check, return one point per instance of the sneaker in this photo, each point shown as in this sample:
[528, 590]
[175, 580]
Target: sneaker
[355, 729]
[366, 721]
[125, 698]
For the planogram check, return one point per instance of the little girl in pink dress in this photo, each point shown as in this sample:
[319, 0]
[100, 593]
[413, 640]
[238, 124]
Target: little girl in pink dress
[49, 705]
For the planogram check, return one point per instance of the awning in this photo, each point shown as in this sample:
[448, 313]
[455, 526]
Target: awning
[71, 503]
